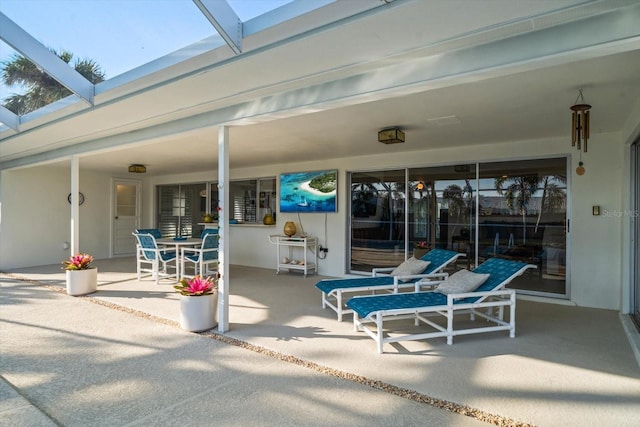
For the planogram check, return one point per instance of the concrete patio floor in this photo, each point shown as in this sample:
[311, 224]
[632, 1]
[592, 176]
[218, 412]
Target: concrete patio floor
[117, 357]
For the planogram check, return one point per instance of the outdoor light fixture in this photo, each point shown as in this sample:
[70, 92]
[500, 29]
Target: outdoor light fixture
[137, 169]
[580, 123]
[391, 136]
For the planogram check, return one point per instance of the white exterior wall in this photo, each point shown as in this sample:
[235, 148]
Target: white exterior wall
[35, 216]
[596, 250]
[35, 213]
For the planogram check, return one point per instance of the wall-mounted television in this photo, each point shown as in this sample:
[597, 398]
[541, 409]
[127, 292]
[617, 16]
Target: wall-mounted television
[309, 192]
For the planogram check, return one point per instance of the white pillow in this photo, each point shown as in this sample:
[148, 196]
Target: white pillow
[461, 281]
[410, 267]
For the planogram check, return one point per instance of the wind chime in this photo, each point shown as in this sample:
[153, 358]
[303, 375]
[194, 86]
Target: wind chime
[580, 128]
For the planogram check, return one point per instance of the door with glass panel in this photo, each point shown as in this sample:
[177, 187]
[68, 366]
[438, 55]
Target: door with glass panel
[377, 219]
[522, 216]
[441, 209]
[126, 216]
[512, 210]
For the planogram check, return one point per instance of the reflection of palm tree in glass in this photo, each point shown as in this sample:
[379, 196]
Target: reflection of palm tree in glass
[388, 192]
[42, 89]
[518, 193]
[459, 201]
[395, 191]
[553, 196]
[363, 194]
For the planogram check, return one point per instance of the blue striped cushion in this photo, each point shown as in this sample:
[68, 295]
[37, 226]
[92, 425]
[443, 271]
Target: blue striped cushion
[365, 305]
[329, 285]
[437, 258]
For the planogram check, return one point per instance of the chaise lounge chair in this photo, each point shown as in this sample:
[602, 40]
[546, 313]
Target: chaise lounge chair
[333, 289]
[421, 305]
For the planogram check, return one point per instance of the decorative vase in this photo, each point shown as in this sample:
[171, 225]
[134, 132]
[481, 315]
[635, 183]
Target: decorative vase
[419, 252]
[289, 228]
[198, 313]
[82, 282]
[268, 218]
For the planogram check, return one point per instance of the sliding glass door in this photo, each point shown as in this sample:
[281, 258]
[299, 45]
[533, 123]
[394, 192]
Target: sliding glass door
[441, 208]
[377, 219]
[635, 236]
[522, 216]
[512, 210]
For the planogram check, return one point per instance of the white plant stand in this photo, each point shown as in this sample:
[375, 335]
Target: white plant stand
[296, 253]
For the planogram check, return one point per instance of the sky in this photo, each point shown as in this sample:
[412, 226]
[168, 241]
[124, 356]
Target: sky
[118, 34]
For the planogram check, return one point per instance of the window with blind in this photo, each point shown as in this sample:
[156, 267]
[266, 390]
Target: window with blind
[180, 209]
[182, 206]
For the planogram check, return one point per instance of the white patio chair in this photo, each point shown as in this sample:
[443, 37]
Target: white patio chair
[201, 258]
[159, 259]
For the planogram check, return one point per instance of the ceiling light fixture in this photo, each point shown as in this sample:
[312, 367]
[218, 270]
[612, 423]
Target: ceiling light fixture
[137, 169]
[391, 136]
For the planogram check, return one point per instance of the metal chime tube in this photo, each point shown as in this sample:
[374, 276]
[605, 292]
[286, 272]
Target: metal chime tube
[578, 129]
[586, 129]
[574, 120]
[580, 125]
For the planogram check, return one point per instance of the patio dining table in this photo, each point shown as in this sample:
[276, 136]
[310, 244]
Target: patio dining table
[177, 243]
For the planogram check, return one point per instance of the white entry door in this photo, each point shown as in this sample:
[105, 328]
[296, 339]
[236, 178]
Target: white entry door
[126, 195]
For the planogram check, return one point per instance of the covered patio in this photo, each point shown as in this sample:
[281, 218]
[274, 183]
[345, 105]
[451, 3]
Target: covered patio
[310, 86]
[567, 365]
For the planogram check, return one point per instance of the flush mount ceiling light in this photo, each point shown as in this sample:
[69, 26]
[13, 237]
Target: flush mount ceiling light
[391, 136]
[137, 169]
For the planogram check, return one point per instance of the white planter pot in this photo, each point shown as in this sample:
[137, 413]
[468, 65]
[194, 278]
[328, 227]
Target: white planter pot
[82, 282]
[198, 313]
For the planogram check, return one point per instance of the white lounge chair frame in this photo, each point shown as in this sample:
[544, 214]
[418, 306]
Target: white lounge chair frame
[334, 299]
[483, 300]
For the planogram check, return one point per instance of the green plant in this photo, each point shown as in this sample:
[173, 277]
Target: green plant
[197, 286]
[41, 88]
[78, 262]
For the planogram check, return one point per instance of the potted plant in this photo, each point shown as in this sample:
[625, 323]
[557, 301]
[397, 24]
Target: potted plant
[198, 303]
[420, 249]
[82, 278]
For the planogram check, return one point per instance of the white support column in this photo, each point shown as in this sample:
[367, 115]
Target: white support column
[75, 206]
[223, 230]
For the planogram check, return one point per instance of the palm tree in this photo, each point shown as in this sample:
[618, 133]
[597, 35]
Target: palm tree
[41, 88]
[459, 202]
[553, 197]
[518, 194]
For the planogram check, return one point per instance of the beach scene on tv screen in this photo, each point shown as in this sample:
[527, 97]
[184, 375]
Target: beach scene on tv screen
[308, 191]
